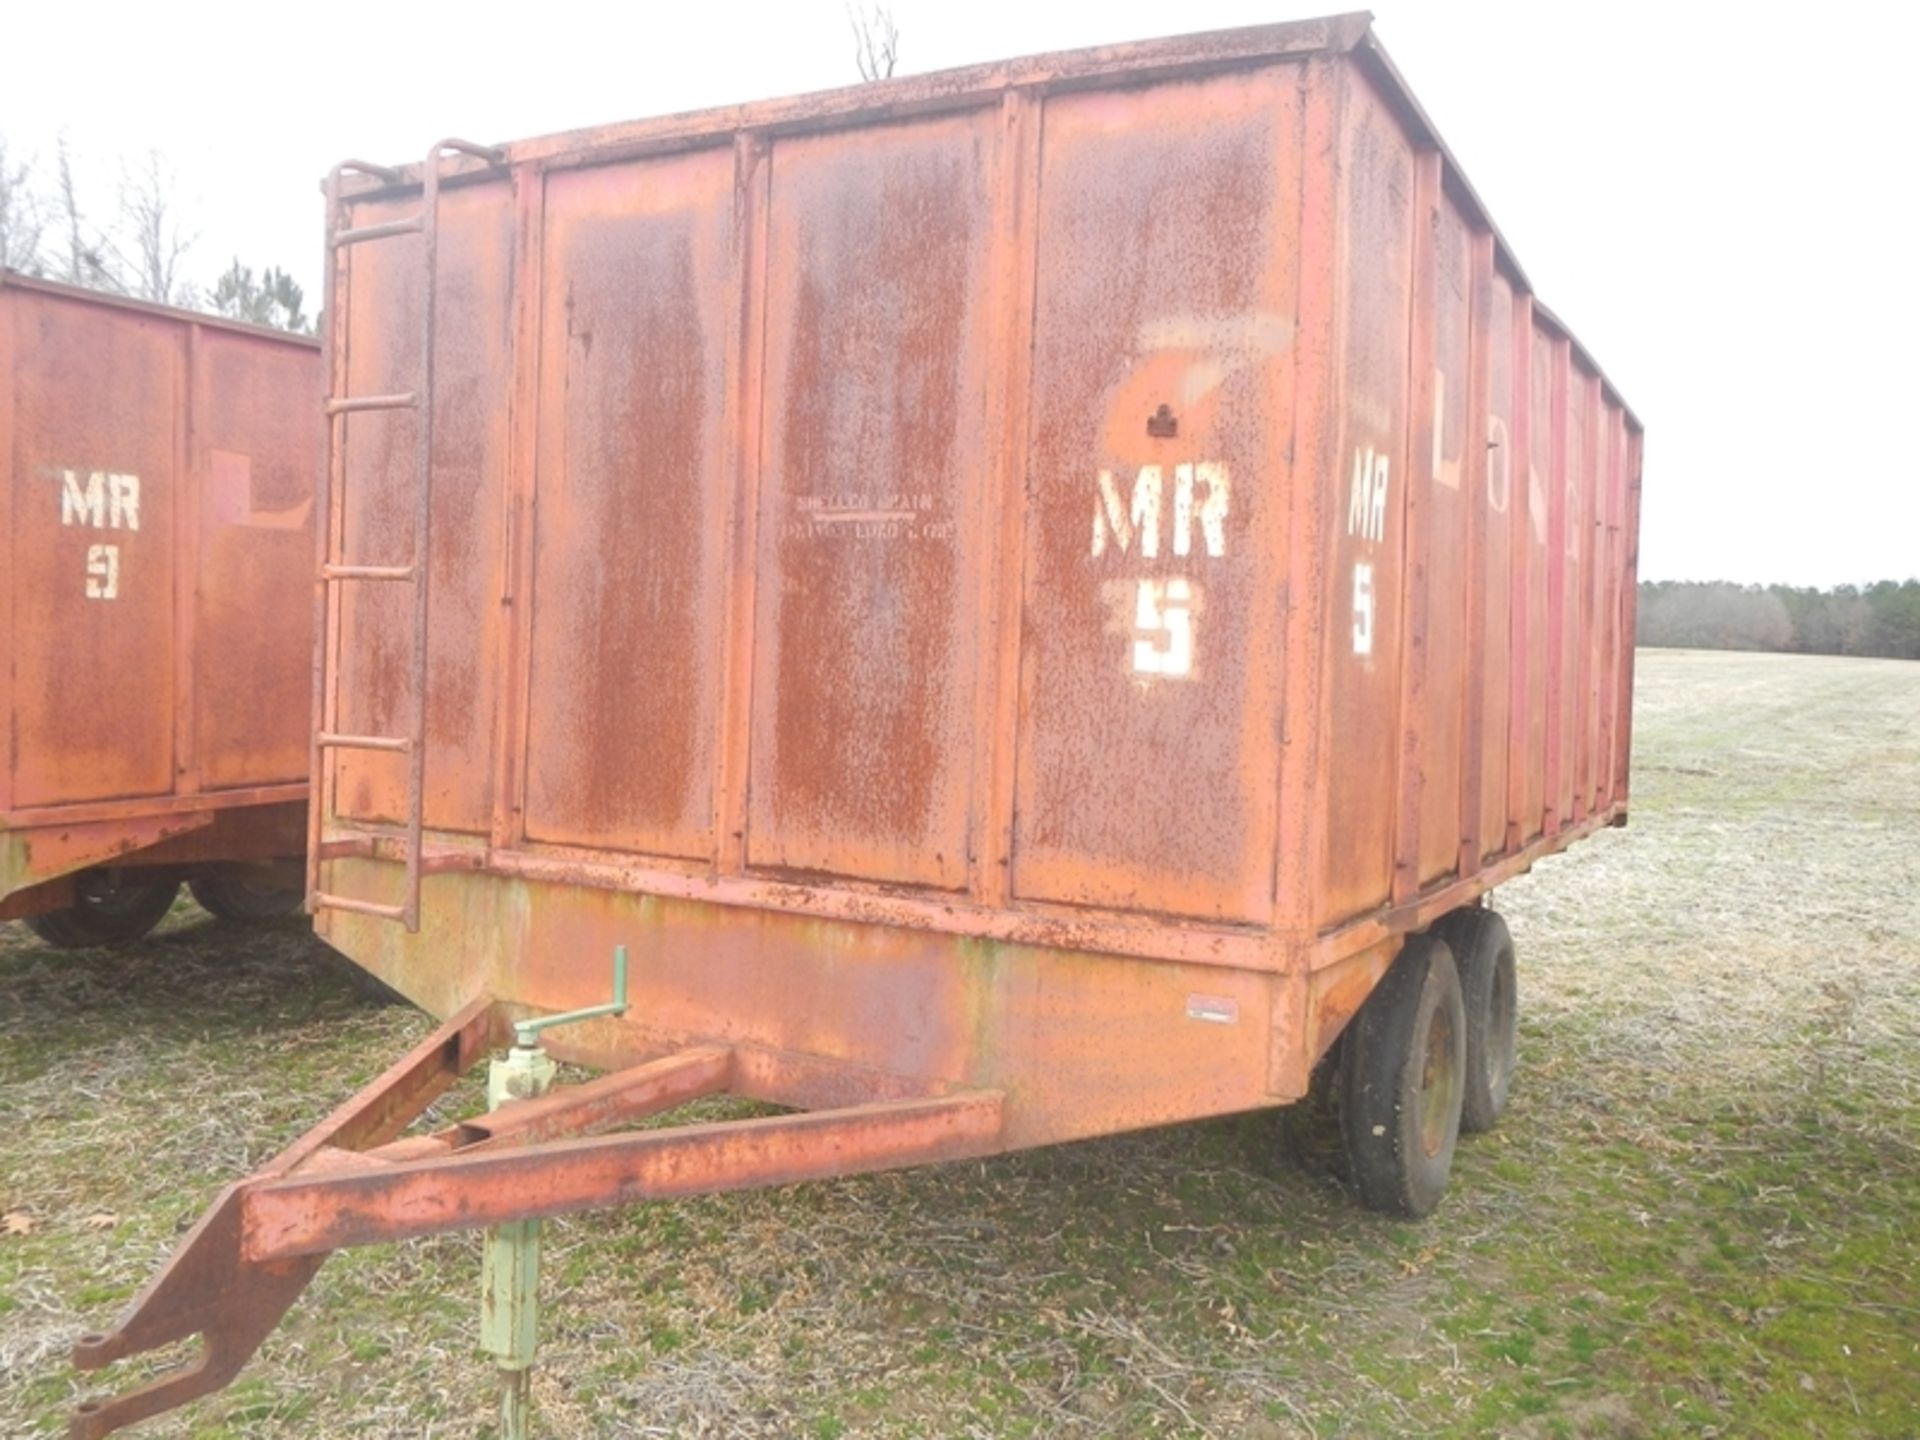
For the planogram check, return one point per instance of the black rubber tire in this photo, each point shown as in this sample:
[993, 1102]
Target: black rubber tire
[1405, 1070]
[1310, 1135]
[1483, 954]
[105, 912]
[234, 897]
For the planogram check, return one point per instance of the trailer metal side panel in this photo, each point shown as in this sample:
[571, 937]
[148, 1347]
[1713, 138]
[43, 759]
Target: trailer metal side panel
[1502, 494]
[158, 477]
[1157, 484]
[629, 578]
[93, 550]
[1582, 391]
[870, 525]
[1368, 605]
[253, 451]
[1544, 504]
[1440, 468]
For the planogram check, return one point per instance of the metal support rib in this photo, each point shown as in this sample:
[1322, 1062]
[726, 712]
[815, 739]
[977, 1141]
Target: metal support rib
[422, 542]
[323, 543]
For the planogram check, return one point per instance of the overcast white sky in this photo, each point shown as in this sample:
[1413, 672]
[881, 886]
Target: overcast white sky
[1718, 199]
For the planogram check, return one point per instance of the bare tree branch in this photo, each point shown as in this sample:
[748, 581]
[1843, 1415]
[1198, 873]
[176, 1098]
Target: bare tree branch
[876, 40]
[88, 258]
[143, 252]
[23, 219]
[159, 245]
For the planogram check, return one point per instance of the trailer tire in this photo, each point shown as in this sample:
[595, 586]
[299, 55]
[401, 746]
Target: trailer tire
[234, 897]
[1405, 1071]
[1310, 1133]
[105, 911]
[1483, 954]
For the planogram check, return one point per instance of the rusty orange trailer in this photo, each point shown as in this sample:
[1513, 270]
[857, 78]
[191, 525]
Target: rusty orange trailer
[156, 505]
[1033, 601]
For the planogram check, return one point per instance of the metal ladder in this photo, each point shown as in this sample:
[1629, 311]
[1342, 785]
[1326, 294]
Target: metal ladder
[334, 570]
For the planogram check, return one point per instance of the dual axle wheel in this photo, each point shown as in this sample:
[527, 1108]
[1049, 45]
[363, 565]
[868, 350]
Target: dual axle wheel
[1430, 1054]
[112, 908]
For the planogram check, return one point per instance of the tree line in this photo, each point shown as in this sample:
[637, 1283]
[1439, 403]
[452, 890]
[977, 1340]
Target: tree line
[1880, 619]
[136, 244]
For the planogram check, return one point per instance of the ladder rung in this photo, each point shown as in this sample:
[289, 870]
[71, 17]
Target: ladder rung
[366, 572]
[452, 861]
[434, 859]
[409, 226]
[365, 742]
[320, 900]
[350, 404]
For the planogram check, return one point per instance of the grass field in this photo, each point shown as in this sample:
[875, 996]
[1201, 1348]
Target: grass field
[1701, 1215]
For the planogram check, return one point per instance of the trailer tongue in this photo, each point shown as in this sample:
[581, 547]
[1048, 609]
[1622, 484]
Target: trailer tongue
[350, 1181]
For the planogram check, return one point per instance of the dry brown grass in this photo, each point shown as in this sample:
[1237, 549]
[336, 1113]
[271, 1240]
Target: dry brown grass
[1701, 1216]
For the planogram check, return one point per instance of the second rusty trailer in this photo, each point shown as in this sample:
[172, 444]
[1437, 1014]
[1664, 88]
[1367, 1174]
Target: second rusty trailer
[157, 477]
[1030, 601]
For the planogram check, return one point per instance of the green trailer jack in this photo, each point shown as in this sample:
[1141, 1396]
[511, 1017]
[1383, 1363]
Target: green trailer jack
[510, 1264]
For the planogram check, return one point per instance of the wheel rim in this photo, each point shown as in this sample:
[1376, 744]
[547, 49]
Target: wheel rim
[1501, 1005]
[1440, 1082]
